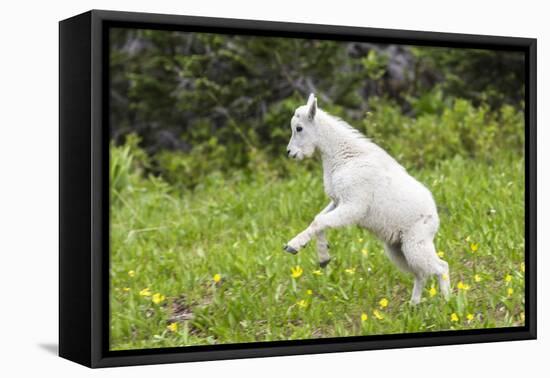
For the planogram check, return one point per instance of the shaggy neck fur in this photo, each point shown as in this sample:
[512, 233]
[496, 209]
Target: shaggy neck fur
[338, 142]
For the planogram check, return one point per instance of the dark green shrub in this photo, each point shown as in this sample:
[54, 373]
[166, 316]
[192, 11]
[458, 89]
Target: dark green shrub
[442, 133]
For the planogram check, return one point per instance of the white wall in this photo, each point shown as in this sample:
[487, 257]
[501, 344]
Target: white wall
[28, 186]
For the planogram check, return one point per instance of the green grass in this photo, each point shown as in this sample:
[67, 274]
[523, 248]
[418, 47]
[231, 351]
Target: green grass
[174, 243]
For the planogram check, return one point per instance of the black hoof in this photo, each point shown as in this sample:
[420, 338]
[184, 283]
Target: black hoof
[323, 264]
[289, 249]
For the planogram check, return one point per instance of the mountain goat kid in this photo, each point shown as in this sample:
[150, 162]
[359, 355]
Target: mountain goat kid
[367, 187]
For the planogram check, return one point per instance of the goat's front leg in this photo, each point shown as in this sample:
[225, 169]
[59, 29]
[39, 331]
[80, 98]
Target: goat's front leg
[322, 244]
[322, 249]
[343, 215]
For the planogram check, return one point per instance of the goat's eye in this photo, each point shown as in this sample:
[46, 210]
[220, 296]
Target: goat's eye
[299, 128]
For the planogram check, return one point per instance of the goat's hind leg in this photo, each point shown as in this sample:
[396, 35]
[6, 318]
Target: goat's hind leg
[419, 283]
[419, 251]
[444, 279]
[395, 254]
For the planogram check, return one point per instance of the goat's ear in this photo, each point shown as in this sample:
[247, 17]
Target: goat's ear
[311, 106]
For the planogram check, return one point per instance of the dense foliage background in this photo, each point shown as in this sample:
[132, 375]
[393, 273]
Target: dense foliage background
[203, 197]
[216, 102]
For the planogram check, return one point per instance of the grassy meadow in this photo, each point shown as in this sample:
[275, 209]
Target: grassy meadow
[206, 266]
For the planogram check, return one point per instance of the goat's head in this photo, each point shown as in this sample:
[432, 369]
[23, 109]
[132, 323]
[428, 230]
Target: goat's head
[304, 134]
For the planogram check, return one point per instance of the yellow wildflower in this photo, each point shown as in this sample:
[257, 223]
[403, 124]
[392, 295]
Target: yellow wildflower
[157, 298]
[445, 277]
[432, 291]
[510, 291]
[126, 289]
[383, 303]
[318, 272]
[350, 271]
[522, 267]
[217, 277]
[477, 278]
[474, 247]
[468, 238]
[508, 279]
[302, 303]
[296, 271]
[378, 315]
[360, 240]
[173, 327]
[454, 317]
[131, 273]
[441, 254]
[470, 317]
[462, 286]
[365, 252]
[309, 292]
[364, 317]
[145, 292]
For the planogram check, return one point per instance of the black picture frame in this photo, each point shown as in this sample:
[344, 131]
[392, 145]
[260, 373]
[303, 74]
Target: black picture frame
[84, 189]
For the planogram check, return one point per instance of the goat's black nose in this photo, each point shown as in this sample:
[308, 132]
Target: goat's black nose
[288, 152]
